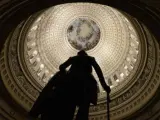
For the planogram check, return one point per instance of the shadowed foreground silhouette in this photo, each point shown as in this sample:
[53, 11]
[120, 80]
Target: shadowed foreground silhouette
[70, 89]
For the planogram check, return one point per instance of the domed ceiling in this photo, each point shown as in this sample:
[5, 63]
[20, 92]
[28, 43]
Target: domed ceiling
[102, 31]
[34, 51]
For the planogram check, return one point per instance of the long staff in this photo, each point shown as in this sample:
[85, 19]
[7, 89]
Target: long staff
[108, 101]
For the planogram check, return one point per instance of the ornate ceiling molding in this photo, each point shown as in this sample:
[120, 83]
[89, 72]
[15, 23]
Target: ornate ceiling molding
[141, 86]
[12, 75]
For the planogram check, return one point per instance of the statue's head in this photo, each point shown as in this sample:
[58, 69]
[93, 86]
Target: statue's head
[82, 53]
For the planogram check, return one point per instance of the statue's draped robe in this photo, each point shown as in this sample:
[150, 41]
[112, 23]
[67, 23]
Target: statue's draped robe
[68, 88]
[50, 96]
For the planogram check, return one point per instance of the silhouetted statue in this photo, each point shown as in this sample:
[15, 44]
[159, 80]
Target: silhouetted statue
[83, 86]
[70, 89]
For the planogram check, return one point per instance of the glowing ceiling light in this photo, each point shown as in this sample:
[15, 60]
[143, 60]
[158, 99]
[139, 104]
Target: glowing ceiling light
[51, 75]
[117, 80]
[34, 28]
[111, 86]
[35, 52]
[125, 67]
[132, 36]
[42, 66]
[137, 51]
[38, 19]
[122, 75]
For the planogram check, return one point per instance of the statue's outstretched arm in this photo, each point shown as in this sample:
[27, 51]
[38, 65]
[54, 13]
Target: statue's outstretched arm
[100, 76]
